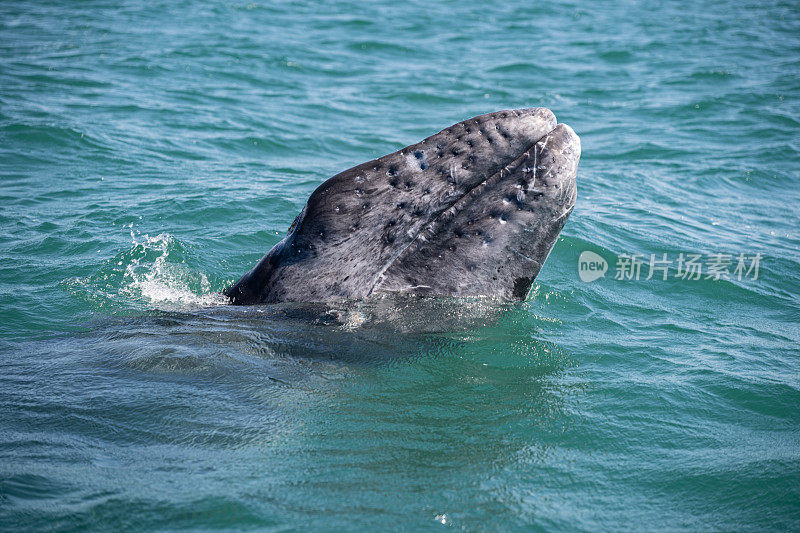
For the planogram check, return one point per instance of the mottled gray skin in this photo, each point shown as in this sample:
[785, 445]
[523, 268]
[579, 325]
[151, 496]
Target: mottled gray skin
[473, 210]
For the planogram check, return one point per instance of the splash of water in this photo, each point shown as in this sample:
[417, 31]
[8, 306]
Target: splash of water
[157, 273]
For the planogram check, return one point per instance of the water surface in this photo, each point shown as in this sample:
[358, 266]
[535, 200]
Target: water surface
[151, 152]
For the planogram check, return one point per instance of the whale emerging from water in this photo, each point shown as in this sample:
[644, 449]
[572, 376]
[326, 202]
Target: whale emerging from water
[473, 210]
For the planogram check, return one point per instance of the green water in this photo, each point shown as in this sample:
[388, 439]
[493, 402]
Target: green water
[151, 152]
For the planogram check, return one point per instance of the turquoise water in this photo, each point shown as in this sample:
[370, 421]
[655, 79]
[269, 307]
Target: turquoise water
[151, 152]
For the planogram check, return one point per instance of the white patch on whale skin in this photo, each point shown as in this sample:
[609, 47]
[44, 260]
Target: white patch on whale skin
[417, 160]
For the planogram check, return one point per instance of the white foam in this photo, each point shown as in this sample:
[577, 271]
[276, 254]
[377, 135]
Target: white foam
[163, 284]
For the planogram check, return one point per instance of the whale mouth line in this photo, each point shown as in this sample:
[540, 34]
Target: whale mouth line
[453, 207]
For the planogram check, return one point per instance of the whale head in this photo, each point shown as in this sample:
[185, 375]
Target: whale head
[473, 210]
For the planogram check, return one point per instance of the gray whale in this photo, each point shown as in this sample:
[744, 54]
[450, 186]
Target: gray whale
[473, 210]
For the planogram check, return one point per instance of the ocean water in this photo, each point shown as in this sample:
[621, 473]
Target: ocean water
[151, 152]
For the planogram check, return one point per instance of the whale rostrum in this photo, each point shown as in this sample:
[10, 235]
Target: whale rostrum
[473, 210]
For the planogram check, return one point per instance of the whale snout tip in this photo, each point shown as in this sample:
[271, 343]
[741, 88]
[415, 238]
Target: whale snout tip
[571, 138]
[565, 146]
[537, 114]
[536, 124]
